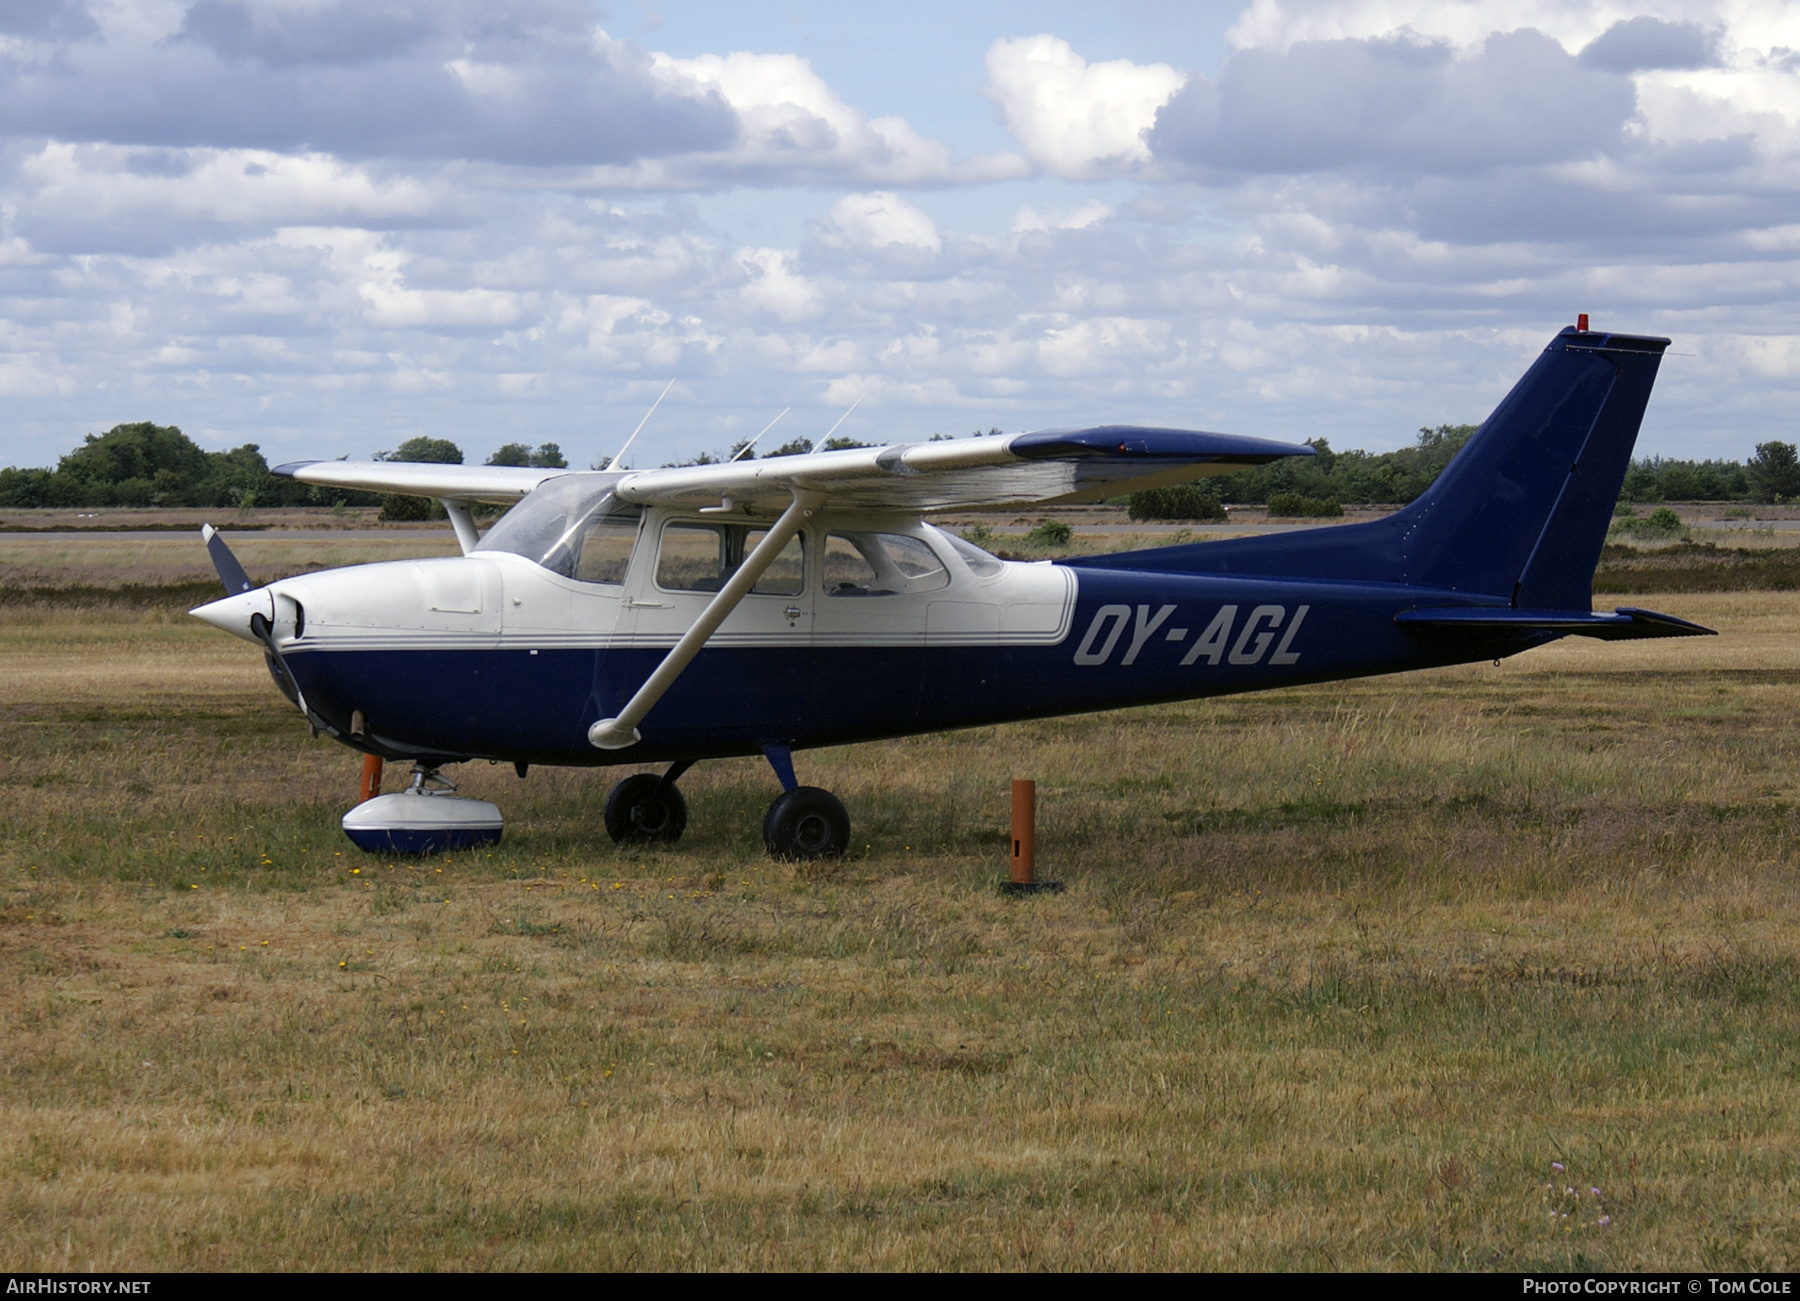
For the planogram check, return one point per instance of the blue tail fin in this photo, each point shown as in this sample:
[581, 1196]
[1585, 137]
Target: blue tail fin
[1520, 513]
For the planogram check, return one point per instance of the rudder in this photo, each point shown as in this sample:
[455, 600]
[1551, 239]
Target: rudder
[1559, 573]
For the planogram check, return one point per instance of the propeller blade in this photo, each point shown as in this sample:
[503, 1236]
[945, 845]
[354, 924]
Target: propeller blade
[230, 572]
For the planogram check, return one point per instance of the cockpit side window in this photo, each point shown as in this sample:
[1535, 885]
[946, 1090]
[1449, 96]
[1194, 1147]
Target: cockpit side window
[606, 545]
[571, 525]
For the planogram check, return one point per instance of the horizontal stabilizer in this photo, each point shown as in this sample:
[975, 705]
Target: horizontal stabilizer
[1624, 624]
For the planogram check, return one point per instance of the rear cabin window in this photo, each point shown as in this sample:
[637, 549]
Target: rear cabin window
[880, 564]
[703, 557]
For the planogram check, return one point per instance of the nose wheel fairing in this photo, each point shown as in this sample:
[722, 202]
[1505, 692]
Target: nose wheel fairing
[426, 818]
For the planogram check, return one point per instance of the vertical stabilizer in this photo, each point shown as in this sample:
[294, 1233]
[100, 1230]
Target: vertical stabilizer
[1520, 513]
[1523, 509]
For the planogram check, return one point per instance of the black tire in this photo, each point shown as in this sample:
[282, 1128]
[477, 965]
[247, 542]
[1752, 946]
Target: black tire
[631, 818]
[806, 824]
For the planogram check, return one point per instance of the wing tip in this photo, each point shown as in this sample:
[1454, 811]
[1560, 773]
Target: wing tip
[1153, 442]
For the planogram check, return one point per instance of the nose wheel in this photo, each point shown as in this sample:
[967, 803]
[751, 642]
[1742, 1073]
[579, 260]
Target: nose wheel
[806, 823]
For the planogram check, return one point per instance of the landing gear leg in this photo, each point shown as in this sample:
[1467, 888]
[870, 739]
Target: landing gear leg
[645, 808]
[425, 777]
[805, 823]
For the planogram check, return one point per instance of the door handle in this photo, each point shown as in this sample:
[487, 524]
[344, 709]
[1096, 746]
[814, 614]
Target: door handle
[793, 612]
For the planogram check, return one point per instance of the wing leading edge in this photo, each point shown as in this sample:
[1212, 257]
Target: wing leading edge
[1044, 468]
[499, 484]
[1053, 467]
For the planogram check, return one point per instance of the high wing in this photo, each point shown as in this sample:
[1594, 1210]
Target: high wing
[1051, 467]
[499, 484]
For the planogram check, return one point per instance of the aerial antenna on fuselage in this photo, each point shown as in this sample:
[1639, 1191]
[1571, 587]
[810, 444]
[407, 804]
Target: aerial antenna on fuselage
[840, 420]
[745, 449]
[614, 463]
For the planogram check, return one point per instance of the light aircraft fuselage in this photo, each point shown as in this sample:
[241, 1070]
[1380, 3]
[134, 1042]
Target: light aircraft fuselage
[699, 612]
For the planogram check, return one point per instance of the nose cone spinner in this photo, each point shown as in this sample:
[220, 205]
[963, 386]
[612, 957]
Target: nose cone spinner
[233, 613]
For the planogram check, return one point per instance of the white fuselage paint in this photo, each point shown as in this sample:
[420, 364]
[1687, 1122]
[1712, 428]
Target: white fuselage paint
[493, 599]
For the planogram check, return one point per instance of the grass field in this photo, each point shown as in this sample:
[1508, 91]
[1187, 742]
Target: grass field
[1339, 975]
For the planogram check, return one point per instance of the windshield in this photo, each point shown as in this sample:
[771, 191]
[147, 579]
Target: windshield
[571, 525]
[980, 563]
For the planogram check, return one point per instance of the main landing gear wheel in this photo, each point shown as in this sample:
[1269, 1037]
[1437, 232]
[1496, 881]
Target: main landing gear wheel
[806, 823]
[639, 813]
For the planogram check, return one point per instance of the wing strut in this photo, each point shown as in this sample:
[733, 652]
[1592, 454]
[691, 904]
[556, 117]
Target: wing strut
[620, 732]
[463, 523]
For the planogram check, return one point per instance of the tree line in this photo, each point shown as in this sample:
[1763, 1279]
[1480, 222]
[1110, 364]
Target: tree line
[146, 464]
[1327, 481]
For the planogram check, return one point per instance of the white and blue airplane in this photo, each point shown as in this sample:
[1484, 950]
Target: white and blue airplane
[768, 606]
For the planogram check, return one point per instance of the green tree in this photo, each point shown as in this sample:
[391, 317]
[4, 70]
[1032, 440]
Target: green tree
[1773, 474]
[548, 456]
[434, 451]
[24, 487]
[239, 478]
[511, 454]
[140, 464]
[1184, 501]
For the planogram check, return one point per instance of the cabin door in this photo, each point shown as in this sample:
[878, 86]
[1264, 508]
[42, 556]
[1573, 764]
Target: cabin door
[755, 671]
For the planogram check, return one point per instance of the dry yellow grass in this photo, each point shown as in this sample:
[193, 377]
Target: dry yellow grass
[63, 559]
[1339, 973]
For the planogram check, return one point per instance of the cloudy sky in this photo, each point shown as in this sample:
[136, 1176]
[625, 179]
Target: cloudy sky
[327, 225]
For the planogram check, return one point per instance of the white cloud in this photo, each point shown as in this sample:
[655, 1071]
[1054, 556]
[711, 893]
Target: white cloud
[1278, 24]
[88, 197]
[1399, 105]
[1075, 118]
[1029, 218]
[793, 126]
[774, 286]
[1369, 219]
[879, 220]
[1752, 40]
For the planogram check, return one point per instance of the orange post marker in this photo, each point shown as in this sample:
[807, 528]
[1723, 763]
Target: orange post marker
[1024, 832]
[371, 776]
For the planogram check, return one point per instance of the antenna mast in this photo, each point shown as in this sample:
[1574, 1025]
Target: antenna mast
[614, 463]
[745, 449]
[840, 420]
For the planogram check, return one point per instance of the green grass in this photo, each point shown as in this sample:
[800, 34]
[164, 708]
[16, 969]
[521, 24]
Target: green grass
[1698, 567]
[1338, 974]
